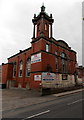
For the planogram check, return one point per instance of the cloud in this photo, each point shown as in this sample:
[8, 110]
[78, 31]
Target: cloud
[16, 28]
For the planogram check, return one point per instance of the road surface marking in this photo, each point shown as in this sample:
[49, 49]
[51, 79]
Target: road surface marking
[37, 114]
[75, 102]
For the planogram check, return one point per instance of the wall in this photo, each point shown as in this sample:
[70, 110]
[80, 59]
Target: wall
[58, 82]
[4, 73]
[0, 73]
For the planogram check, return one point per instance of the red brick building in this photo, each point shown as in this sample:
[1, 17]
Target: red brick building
[48, 61]
[80, 71]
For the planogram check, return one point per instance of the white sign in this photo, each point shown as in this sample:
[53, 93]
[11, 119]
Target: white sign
[50, 80]
[37, 77]
[48, 77]
[36, 58]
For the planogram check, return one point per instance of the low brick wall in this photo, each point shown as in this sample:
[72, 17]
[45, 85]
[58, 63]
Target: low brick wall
[48, 91]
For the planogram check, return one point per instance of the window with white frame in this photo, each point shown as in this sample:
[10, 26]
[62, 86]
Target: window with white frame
[35, 31]
[49, 32]
[14, 69]
[64, 62]
[47, 47]
[63, 66]
[38, 27]
[28, 67]
[63, 55]
[20, 68]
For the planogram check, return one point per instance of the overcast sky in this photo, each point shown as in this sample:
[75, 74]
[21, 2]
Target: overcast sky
[16, 28]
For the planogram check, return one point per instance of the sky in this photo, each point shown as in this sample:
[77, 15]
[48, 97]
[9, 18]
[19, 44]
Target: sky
[83, 34]
[16, 27]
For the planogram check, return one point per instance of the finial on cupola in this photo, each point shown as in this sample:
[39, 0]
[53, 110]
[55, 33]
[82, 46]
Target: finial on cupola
[43, 8]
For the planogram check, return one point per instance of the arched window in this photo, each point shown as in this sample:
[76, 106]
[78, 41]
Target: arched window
[56, 52]
[63, 55]
[28, 67]
[45, 27]
[49, 32]
[35, 31]
[38, 27]
[47, 48]
[14, 69]
[56, 63]
[20, 68]
[64, 62]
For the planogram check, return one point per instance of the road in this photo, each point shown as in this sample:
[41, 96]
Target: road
[69, 106]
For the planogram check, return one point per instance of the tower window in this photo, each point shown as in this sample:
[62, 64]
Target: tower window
[45, 26]
[49, 32]
[38, 27]
[35, 31]
[47, 47]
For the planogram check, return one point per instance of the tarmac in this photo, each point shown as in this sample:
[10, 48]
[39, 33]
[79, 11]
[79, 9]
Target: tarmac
[19, 98]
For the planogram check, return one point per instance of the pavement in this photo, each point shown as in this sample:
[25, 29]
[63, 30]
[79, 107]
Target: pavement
[68, 92]
[19, 98]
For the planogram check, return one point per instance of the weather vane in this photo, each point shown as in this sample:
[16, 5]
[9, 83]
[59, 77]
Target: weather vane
[43, 4]
[43, 7]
